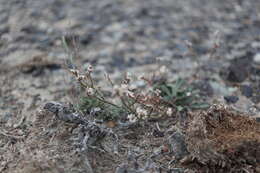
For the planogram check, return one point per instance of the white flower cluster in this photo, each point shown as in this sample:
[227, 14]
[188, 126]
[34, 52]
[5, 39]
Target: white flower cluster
[77, 74]
[163, 69]
[90, 91]
[157, 92]
[141, 113]
[169, 112]
[123, 89]
[128, 76]
[74, 72]
[132, 118]
[90, 69]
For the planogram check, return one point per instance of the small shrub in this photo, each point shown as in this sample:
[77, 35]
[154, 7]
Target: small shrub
[157, 99]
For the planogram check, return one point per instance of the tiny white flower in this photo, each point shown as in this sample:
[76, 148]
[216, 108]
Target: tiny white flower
[90, 68]
[132, 118]
[141, 112]
[188, 43]
[145, 113]
[90, 91]
[124, 86]
[150, 89]
[130, 94]
[163, 69]
[169, 111]
[149, 105]
[141, 77]
[97, 109]
[74, 72]
[128, 75]
[157, 92]
[138, 110]
[80, 77]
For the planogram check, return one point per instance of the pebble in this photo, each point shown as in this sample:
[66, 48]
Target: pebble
[231, 99]
[257, 58]
[246, 90]
[5, 117]
[236, 74]
[239, 69]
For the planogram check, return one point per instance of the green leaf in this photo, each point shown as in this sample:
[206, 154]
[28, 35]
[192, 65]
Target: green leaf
[166, 90]
[199, 105]
[179, 108]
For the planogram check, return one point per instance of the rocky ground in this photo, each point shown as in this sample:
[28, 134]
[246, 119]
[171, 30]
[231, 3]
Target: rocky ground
[215, 45]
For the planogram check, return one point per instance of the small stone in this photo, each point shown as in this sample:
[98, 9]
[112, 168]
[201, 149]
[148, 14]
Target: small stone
[231, 99]
[205, 88]
[5, 117]
[246, 90]
[236, 74]
[178, 145]
[257, 58]
[157, 133]
[256, 98]
[239, 69]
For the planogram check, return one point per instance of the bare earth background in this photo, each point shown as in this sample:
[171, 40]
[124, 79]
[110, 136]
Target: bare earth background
[116, 36]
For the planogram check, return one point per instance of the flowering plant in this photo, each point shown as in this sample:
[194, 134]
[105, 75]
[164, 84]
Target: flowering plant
[155, 100]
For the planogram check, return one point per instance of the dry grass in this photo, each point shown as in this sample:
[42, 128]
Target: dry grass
[222, 140]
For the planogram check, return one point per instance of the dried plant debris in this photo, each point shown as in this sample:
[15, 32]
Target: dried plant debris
[216, 140]
[66, 142]
[178, 146]
[221, 140]
[89, 133]
[132, 166]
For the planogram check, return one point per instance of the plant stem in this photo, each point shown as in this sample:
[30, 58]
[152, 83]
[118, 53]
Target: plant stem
[107, 102]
